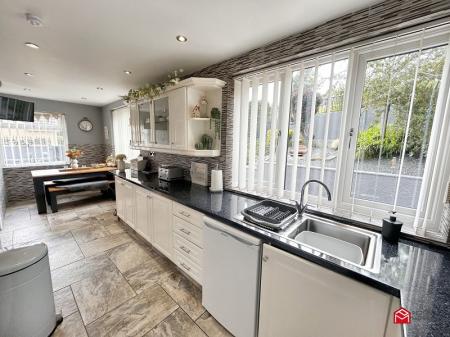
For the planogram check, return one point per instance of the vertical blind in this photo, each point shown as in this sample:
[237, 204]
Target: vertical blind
[122, 132]
[368, 121]
[41, 142]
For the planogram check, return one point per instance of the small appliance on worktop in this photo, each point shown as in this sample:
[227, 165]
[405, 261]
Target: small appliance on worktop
[170, 172]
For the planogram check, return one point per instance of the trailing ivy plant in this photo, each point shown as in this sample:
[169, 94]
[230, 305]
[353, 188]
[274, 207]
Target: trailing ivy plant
[150, 91]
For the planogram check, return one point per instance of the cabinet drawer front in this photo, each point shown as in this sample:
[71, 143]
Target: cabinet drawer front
[188, 267]
[188, 231]
[188, 249]
[188, 214]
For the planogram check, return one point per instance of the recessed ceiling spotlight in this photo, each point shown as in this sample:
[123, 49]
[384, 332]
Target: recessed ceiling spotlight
[26, 89]
[181, 38]
[83, 97]
[31, 45]
[99, 88]
[127, 72]
[28, 74]
[34, 20]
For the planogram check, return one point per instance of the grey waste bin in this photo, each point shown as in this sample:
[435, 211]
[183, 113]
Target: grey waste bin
[27, 307]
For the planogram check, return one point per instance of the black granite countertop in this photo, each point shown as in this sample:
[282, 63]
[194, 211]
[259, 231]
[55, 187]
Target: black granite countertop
[417, 273]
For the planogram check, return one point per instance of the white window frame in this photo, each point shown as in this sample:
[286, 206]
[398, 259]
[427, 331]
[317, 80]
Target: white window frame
[375, 210]
[424, 222]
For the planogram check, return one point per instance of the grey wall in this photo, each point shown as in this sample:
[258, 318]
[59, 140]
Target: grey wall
[74, 113]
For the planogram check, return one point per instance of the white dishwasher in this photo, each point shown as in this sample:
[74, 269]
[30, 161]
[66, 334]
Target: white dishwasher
[231, 277]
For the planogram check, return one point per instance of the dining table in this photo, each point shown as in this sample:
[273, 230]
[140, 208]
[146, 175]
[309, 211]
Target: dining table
[41, 176]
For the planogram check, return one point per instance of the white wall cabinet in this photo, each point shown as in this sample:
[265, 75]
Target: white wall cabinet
[302, 299]
[120, 198]
[167, 124]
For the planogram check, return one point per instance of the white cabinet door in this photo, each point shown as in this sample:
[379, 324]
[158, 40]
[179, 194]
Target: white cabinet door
[129, 205]
[120, 198]
[162, 225]
[143, 213]
[303, 299]
[178, 121]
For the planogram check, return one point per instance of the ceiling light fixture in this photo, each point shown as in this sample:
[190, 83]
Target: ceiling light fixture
[28, 74]
[34, 20]
[83, 97]
[31, 45]
[181, 38]
[99, 88]
[26, 89]
[127, 72]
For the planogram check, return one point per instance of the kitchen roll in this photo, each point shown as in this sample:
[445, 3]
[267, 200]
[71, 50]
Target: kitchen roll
[216, 181]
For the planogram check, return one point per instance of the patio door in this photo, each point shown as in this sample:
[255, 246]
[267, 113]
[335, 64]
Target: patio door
[395, 92]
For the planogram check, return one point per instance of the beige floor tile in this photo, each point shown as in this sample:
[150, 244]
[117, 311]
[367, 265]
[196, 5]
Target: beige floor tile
[89, 233]
[129, 256]
[178, 324]
[39, 234]
[135, 317]
[185, 293]
[98, 246]
[64, 254]
[77, 271]
[69, 225]
[115, 228]
[65, 302]
[100, 293]
[149, 273]
[71, 326]
[211, 327]
[6, 240]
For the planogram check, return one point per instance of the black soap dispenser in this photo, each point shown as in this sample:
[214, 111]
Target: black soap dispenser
[391, 228]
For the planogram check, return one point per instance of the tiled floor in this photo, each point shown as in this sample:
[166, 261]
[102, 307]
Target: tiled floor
[106, 280]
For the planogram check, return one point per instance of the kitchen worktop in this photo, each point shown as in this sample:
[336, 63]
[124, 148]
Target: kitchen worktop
[417, 273]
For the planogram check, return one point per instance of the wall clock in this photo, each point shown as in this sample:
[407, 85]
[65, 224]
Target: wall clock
[85, 125]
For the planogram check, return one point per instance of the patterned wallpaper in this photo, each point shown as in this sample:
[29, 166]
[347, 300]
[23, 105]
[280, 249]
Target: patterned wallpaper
[18, 182]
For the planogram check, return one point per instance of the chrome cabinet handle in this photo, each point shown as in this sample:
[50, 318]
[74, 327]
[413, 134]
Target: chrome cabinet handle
[185, 266]
[185, 231]
[186, 250]
[185, 214]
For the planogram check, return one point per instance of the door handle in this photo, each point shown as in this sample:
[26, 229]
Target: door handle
[185, 266]
[186, 250]
[185, 231]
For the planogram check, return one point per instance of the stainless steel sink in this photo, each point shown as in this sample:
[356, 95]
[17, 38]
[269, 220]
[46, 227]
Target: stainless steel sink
[354, 245]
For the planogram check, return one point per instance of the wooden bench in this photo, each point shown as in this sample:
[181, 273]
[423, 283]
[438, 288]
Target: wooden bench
[52, 189]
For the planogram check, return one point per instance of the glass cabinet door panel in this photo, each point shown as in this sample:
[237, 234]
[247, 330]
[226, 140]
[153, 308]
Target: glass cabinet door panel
[161, 113]
[145, 124]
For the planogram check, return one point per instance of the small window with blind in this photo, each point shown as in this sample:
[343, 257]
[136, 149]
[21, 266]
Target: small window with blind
[42, 142]
[370, 122]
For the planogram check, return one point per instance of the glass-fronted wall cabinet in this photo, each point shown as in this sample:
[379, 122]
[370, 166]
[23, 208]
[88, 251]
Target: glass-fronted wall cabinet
[146, 123]
[180, 120]
[161, 110]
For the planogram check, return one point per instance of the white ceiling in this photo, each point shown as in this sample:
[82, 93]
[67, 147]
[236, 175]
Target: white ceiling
[89, 43]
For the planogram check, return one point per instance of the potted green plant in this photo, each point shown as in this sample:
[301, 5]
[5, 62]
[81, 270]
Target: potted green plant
[120, 162]
[215, 117]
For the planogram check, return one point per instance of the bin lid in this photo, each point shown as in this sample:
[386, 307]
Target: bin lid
[17, 259]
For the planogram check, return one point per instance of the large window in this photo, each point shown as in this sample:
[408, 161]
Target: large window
[122, 132]
[42, 142]
[369, 122]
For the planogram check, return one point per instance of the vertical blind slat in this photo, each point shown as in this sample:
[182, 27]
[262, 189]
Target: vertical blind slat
[262, 136]
[273, 131]
[311, 125]
[298, 123]
[253, 125]
[236, 129]
[327, 126]
[284, 128]
[243, 135]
